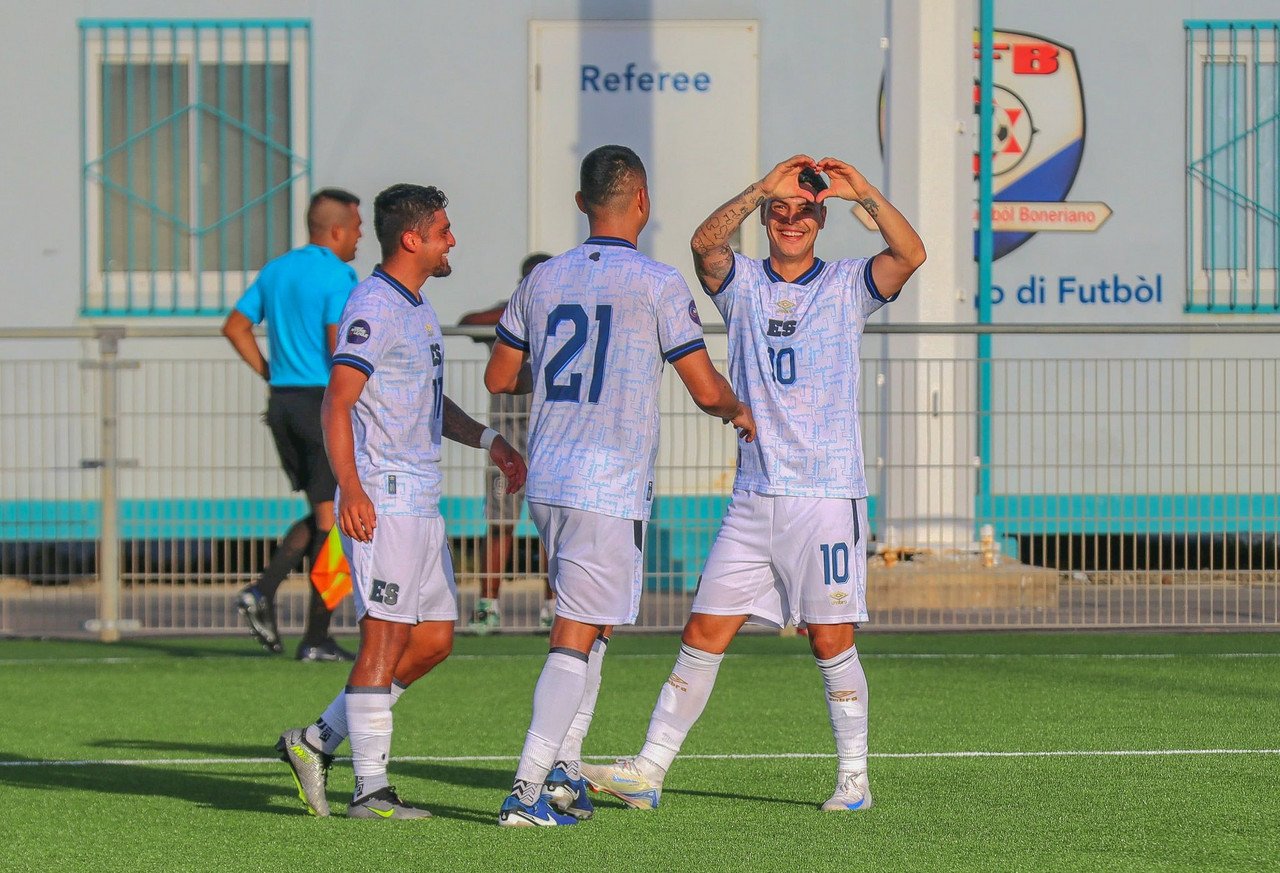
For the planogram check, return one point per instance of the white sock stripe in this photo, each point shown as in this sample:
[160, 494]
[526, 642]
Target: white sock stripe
[699, 657]
[838, 660]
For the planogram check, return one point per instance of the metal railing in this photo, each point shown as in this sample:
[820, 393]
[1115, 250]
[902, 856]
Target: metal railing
[1128, 485]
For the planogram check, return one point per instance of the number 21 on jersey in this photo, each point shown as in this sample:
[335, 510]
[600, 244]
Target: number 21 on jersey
[559, 388]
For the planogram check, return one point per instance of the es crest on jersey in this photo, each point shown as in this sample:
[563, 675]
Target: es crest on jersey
[781, 327]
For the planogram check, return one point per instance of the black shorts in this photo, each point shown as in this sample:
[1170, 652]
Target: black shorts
[294, 417]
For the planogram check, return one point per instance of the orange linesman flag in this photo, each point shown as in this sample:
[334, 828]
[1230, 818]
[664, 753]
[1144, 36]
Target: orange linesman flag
[331, 574]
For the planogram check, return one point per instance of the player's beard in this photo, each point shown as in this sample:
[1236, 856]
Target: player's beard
[441, 271]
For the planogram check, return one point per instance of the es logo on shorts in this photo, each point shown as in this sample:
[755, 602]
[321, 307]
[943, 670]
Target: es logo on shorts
[386, 593]
[358, 332]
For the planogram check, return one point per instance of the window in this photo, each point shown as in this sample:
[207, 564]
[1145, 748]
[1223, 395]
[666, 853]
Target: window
[1233, 152]
[197, 159]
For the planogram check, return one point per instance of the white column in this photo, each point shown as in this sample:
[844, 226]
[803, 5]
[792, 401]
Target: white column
[928, 437]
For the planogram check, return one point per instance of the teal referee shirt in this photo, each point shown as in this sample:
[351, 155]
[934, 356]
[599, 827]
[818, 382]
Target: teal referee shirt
[299, 294]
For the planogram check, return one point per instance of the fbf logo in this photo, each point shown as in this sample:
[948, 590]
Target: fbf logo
[1037, 140]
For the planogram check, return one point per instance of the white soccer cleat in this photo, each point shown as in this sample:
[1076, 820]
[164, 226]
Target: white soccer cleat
[624, 781]
[853, 793]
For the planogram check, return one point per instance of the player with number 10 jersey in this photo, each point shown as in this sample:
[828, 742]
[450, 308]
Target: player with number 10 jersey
[793, 353]
[792, 546]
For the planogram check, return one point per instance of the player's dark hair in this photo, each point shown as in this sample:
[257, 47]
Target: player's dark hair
[318, 217]
[526, 267]
[607, 172]
[402, 208]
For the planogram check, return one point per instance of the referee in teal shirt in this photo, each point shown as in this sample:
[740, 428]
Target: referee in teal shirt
[300, 295]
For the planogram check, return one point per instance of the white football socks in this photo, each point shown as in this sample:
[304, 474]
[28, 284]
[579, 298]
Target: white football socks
[369, 718]
[556, 700]
[570, 756]
[330, 729]
[847, 703]
[680, 704]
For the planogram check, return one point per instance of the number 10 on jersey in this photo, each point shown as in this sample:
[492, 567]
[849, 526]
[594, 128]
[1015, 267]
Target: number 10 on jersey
[571, 390]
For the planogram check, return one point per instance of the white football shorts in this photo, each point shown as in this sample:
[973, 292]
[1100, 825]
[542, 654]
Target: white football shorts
[596, 563]
[779, 559]
[406, 573]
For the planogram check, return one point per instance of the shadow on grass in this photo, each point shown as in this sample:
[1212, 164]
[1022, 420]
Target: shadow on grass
[209, 790]
[232, 752]
[175, 648]
[686, 792]
[272, 782]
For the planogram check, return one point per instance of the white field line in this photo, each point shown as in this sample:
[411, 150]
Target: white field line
[761, 756]
[872, 656]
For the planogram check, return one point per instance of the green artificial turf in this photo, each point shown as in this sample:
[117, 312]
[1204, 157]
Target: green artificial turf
[181, 703]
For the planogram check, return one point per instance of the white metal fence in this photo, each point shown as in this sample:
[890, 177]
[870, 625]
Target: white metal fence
[1083, 477]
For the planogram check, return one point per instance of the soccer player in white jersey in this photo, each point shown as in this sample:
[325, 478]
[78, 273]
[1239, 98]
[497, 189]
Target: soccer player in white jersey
[588, 333]
[793, 543]
[384, 414]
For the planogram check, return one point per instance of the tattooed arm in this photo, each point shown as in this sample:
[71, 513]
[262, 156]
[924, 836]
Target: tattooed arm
[712, 256]
[462, 428]
[892, 267]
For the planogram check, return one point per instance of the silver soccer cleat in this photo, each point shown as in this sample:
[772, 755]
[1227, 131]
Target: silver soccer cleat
[310, 768]
[624, 781]
[852, 793]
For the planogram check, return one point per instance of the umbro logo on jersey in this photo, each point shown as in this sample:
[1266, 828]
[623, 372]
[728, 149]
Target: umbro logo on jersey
[786, 306]
[677, 683]
[358, 332]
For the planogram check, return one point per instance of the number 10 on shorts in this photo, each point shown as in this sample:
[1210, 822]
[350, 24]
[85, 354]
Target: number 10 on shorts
[835, 563]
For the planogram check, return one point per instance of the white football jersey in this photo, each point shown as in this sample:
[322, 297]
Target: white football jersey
[395, 339]
[793, 359]
[599, 322]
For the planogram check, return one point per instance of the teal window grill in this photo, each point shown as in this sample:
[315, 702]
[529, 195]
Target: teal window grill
[196, 152]
[1233, 166]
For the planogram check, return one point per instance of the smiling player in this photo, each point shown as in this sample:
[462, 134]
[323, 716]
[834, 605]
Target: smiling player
[385, 413]
[793, 543]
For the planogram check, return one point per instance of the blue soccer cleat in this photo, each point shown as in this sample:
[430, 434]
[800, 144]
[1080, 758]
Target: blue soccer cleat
[539, 814]
[569, 796]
